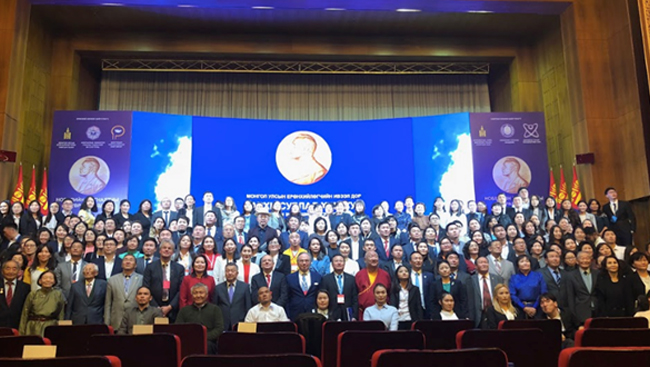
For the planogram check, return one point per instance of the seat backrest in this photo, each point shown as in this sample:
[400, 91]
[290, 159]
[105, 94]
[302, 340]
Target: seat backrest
[616, 323]
[72, 340]
[613, 338]
[331, 331]
[524, 347]
[87, 361]
[552, 330]
[274, 327]
[160, 350]
[442, 334]
[590, 357]
[232, 343]
[355, 348]
[271, 360]
[7, 331]
[194, 337]
[486, 357]
[12, 346]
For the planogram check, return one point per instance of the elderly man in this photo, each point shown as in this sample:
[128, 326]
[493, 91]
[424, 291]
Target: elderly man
[303, 287]
[367, 278]
[142, 314]
[272, 279]
[164, 277]
[262, 230]
[121, 292]
[204, 313]
[13, 295]
[233, 297]
[86, 301]
[265, 310]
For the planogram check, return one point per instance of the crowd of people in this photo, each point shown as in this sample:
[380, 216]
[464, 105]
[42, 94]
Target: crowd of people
[218, 266]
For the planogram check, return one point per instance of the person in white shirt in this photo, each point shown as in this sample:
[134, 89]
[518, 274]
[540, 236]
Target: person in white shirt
[266, 311]
[447, 304]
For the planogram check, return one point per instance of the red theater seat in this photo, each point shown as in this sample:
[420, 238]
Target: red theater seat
[7, 331]
[73, 340]
[616, 323]
[442, 334]
[590, 357]
[613, 338]
[12, 346]
[89, 361]
[331, 331]
[355, 348]
[155, 350]
[524, 347]
[193, 337]
[232, 343]
[274, 327]
[552, 330]
[488, 357]
[269, 360]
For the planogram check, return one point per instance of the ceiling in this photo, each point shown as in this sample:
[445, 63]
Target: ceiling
[74, 19]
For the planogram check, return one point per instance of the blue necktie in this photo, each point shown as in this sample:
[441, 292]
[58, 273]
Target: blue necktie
[304, 285]
[340, 281]
[231, 291]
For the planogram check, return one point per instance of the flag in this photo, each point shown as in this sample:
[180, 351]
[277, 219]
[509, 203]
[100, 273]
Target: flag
[552, 192]
[18, 196]
[563, 193]
[42, 195]
[31, 196]
[576, 195]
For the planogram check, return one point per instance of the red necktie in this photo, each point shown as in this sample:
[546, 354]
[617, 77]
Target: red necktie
[387, 249]
[9, 295]
[241, 240]
[268, 280]
[487, 302]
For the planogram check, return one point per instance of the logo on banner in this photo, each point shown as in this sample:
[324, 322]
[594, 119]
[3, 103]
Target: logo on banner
[67, 135]
[93, 133]
[507, 131]
[117, 131]
[482, 133]
[511, 173]
[303, 157]
[530, 131]
[89, 175]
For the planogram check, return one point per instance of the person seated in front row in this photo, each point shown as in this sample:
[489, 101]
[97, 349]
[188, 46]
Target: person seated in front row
[381, 310]
[570, 323]
[142, 314]
[202, 312]
[265, 310]
[502, 308]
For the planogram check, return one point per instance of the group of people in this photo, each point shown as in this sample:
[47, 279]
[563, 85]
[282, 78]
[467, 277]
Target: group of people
[217, 266]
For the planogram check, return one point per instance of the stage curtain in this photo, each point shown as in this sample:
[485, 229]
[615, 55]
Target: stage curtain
[294, 96]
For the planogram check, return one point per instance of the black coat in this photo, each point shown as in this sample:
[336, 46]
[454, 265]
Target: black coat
[493, 318]
[414, 302]
[10, 315]
[153, 279]
[278, 288]
[82, 309]
[350, 293]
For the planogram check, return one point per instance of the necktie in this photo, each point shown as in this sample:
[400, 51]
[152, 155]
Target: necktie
[486, 294]
[268, 280]
[75, 271]
[231, 291]
[10, 293]
[304, 285]
[165, 295]
[614, 205]
[240, 239]
[339, 280]
[417, 284]
[588, 280]
[147, 261]
[166, 218]
[127, 283]
[452, 277]
[89, 288]
[556, 275]
[497, 264]
[387, 248]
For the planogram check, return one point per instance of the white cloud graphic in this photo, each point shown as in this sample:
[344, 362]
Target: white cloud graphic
[175, 180]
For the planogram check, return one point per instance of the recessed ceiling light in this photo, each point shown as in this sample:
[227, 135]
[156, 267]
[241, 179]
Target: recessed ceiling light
[334, 9]
[186, 6]
[480, 11]
[112, 4]
[263, 7]
[408, 10]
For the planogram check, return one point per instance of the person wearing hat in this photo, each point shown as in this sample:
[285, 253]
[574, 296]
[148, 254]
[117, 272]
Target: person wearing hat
[262, 229]
[621, 217]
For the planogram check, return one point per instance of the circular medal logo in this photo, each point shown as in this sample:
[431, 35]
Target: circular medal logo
[303, 157]
[507, 130]
[93, 133]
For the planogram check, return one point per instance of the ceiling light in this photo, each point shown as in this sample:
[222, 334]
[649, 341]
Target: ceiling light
[186, 6]
[112, 4]
[408, 10]
[263, 7]
[334, 9]
[480, 11]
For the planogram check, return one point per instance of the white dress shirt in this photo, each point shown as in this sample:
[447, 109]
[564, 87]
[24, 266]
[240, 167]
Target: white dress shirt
[272, 313]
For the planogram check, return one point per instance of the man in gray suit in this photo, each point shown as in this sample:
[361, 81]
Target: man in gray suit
[481, 295]
[498, 265]
[580, 286]
[233, 297]
[86, 302]
[69, 272]
[120, 292]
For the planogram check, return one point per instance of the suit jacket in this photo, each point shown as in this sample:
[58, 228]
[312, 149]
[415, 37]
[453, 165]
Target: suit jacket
[457, 290]
[199, 216]
[558, 290]
[63, 274]
[278, 288]
[10, 315]
[507, 269]
[28, 225]
[82, 309]
[493, 318]
[140, 265]
[153, 279]
[350, 293]
[579, 298]
[283, 264]
[381, 251]
[625, 222]
[304, 239]
[117, 301]
[414, 302]
[510, 211]
[117, 267]
[173, 215]
[476, 306]
[299, 302]
[235, 311]
[427, 287]
[389, 267]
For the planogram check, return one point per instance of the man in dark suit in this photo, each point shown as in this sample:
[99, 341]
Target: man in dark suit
[164, 278]
[274, 280]
[86, 302]
[293, 224]
[384, 243]
[12, 295]
[570, 323]
[518, 249]
[580, 289]
[396, 260]
[69, 272]
[66, 210]
[149, 251]
[414, 237]
[166, 213]
[233, 297]
[621, 217]
[11, 235]
[517, 207]
[303, 287]
[208, 200]
[355, 242]
[554, 277]
[181, 229]
[342, 290]
[262, 229]
[110, 264]
[481, 295]
[423, 280]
